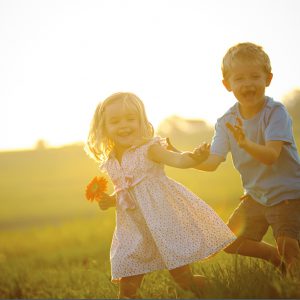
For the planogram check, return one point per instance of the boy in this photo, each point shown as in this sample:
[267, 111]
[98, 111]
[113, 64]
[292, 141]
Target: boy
[258, 133]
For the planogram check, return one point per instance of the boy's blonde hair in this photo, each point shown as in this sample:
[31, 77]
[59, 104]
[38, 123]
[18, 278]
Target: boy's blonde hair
[245, 52]
[98, 144]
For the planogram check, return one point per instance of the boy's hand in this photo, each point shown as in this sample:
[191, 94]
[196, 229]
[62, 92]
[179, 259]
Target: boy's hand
[107, 201]
[201, 153]
[238, 132]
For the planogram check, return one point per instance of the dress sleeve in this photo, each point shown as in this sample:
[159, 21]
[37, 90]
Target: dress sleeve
[158, 140]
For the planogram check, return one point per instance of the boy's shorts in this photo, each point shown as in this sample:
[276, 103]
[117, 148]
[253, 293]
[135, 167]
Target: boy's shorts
[251, 219]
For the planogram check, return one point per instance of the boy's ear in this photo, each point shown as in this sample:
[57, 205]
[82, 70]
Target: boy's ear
[227, 85]
[269, 79]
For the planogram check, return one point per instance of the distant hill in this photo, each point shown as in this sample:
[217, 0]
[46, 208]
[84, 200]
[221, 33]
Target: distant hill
[39, 185]
[47, 185]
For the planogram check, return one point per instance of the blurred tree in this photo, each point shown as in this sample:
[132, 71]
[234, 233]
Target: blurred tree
[185, 133]
[41, 144]
[292, 103]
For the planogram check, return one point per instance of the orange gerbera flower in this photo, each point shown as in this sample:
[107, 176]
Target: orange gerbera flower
[95, 189]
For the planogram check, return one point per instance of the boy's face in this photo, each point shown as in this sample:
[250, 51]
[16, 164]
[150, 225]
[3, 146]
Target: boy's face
[248, 81]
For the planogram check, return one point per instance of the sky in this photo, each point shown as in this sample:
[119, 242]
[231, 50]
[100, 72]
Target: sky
[59, 58]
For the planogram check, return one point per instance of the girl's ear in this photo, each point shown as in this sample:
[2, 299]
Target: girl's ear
[227, 85]
[269, 79]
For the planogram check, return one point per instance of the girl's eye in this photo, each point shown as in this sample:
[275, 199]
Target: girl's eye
[131, 118]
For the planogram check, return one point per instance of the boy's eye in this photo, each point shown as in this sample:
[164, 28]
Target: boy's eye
[238, 78]
[255, 76]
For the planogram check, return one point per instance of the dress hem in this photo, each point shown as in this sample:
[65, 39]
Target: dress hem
[116, 279]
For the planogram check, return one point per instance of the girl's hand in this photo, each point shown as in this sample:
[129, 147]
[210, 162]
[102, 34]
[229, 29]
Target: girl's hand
[201, 153]
[170, 146]
[238, 132]
[107, 201]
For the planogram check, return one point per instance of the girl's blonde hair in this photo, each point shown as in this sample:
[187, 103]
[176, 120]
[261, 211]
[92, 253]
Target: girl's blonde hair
[98, 145]
[245, 52]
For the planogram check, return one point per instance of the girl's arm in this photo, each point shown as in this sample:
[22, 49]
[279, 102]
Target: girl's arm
[210, 164]
[182, 160]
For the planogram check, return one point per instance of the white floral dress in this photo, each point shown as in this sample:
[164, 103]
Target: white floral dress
[160, 224]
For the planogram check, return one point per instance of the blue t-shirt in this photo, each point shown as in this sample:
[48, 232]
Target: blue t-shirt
[267, 184]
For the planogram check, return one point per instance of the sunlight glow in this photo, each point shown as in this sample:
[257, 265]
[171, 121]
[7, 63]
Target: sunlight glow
[59, 58]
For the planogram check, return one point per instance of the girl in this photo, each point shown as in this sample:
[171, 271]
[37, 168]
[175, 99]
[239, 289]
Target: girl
[159, 223]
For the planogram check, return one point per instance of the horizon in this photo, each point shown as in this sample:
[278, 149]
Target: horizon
[42, 144]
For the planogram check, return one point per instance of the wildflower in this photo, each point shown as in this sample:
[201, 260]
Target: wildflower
[95, 189]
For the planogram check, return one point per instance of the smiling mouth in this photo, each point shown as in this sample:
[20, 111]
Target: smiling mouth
[248, 95]
[124, 134]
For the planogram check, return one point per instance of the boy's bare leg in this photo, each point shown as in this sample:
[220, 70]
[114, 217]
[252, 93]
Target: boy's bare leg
[129, 286]
[256, 249]
[289, 250]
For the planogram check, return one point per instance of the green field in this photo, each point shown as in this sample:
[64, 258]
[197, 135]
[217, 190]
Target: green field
[55, 244]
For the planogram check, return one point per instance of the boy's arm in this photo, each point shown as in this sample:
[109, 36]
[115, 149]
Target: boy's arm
[182, 160]
[211, 163]
[267, 154]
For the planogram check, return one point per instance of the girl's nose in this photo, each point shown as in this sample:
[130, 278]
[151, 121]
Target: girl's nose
[123, 124]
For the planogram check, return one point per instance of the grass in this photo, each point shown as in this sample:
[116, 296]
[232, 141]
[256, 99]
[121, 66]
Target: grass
[54, 244]
[65, 261]
[72, 261]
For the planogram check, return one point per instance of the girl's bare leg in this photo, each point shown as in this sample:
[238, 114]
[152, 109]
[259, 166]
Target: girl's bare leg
[129, 286]
[200, 281]
[186, 280]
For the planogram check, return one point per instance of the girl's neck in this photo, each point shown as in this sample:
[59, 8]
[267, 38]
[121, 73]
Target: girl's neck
[120, 150]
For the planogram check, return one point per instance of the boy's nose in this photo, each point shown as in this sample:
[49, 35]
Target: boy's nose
[248, 83]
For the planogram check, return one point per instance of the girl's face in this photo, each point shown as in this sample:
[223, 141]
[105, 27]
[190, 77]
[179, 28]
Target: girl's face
[122, 124]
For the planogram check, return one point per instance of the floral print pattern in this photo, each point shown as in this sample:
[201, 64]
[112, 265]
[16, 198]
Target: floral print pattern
[168, 226]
